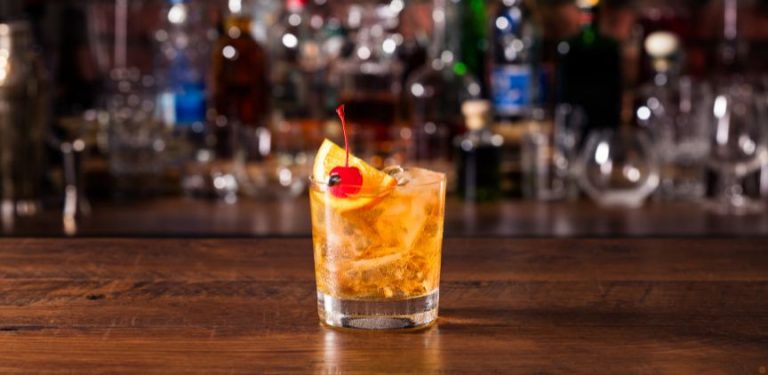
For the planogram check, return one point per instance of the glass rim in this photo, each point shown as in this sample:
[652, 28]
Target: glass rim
[431, 182]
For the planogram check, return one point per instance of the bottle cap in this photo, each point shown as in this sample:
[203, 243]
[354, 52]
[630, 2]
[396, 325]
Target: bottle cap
[476, 113]
[662, 44]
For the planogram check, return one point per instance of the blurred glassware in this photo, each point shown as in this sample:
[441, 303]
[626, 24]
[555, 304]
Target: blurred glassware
[679, 119]
[618, 167]
[738, 146]
[436, 93]
[291, 152]
[23, 122]
[137, 133]
[73, 135]
[570, 123]
[535, 155]
[241, 96]
[298, 65]
[549, 151]
[369, 83]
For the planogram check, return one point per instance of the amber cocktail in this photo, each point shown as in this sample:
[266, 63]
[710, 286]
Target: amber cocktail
[377, 249]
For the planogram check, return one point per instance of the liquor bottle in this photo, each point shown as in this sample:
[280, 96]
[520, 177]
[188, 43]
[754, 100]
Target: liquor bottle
[369, 83]
[660, 94]
[512, 76]
[298, 75]
[669, 18]
[182, 68]
[241, 96]
[298, 64]
[23, 117]
[474, 39]
[479, 155]
[436, 91]
[590, 72]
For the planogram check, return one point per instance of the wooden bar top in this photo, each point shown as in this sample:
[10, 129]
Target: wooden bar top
[615, 306]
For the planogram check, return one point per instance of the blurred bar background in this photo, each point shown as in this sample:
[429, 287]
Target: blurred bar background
[205, 112]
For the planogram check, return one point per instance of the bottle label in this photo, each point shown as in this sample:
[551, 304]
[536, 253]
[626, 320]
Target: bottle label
[511, 86]
[190, 106]
[182, 108]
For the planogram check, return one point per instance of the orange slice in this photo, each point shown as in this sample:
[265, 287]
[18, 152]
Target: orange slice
[376, 184]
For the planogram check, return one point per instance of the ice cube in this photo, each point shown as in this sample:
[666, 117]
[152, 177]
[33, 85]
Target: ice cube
[398, 173]
[423, 177]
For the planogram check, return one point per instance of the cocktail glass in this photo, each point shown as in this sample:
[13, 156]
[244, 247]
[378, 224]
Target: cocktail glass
[377, 252]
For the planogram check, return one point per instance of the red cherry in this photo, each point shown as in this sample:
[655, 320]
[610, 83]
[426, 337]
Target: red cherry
[345, 181]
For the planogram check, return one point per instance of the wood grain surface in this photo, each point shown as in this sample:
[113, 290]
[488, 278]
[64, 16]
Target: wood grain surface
[179, 217]
[631, 306]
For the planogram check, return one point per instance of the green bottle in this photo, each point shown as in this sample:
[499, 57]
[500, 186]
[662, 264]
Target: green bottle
[590, 74]
[474, 39]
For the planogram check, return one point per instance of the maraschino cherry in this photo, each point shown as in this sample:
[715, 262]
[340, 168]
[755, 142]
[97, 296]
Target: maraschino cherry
[344, 181]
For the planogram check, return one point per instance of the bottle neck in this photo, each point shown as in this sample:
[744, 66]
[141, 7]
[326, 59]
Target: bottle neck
[730, 46]
[590, 22]
[476, 123]
[237, 22]
[446, 40]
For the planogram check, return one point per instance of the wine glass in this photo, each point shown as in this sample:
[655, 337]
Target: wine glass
[618, 167]
[738, 147]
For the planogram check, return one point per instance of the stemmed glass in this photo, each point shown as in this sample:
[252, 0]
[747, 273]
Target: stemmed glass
[618, 167]
[73, 135]
[738, 147]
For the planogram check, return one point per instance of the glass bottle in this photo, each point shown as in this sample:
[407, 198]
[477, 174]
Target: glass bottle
[182, 64]
[512, 78]
[241, 97]
[479, 155]
[676, 112]
[436, 92]
[297, 72]
[590, 72]
[298, 76]
[369, 83]
[474, 39]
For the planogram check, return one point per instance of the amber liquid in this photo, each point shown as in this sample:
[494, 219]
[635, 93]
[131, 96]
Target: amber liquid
[240, 82]
[388, 249]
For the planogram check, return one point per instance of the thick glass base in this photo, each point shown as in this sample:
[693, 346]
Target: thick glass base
[411, 313]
